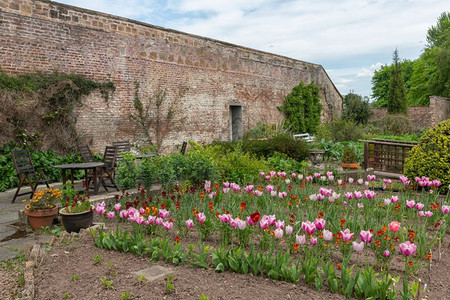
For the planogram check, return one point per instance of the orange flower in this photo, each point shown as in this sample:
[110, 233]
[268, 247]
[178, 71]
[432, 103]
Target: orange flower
[296, 247]
[428, 256]
[339, 266]
[202, 195]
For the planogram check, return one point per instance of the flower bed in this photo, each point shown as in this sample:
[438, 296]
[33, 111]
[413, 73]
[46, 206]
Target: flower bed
[292, 227]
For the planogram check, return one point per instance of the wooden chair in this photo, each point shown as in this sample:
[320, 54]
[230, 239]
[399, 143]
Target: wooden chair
[26, 172]
[107, 171]
[86, 153]
[122, 146]
[183, 148]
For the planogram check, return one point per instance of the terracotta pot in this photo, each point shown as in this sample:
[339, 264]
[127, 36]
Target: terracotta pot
[350, 166]
[73, 222]
[41, 218]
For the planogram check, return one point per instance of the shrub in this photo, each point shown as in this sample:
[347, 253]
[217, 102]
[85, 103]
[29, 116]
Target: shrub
[349, 155]
[431, 157]
[171, 169]
[127, 172]
[200, 167]
[282, 162]
[345, 130]
[147, 172]
[394, 124]
[356, 109]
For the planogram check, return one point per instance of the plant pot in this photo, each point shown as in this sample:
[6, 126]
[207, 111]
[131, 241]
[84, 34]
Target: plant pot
[73, 222]
[41, 218]
[350, 166]
[316, 156]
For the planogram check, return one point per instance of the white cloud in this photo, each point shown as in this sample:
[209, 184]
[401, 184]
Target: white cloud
[368, 72]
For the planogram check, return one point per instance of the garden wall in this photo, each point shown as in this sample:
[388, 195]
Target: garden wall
[213, 76]
[423, 116]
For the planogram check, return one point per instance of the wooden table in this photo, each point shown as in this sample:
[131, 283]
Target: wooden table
[81, 166]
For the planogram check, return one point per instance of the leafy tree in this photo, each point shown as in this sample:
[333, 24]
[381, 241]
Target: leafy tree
[397, 92]
[356, 108]
[438, 36]
[302, 108]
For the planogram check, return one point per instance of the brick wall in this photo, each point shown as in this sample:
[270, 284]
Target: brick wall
[46, 36]
[440, 109]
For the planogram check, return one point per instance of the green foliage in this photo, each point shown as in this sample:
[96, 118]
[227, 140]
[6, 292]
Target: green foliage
[431, 157]
[200, 167]
[356, 109]
[282, 162]
[394, 124]
[302, 108]
[438, 35]
[397, 92]
[345, 130]
[147, 172]
[127, 172]
[349, 155]
[263, 130]
[171, 169]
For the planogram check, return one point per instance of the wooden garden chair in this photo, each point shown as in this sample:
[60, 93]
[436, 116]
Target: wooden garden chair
[183, 148]
[107, 171]
[26, 173]
[122, 146]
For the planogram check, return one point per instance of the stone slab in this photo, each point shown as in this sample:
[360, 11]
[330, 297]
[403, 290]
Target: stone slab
[153, 273]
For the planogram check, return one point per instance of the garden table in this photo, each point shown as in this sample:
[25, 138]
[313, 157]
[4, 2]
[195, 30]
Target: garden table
[82, 166]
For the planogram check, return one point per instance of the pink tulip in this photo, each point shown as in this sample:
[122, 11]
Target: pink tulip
[282, 195]
[360, 181]
[358, 247]
[262, 174]
[151, 219]
[436, 183]
[371, 177]
[407, 248]
[421, 214]
[350, 180]
[207, 185]
[100, 208]
[309, 178]
[287, 181]
[226, 184]
[357, 194]
[394, 199]
[369, 194]
[201, 218]
[319, 223]
[410, 204]
[268, 177]
[428, 214]
[320, 197]
[300, 239]
[394, 226]
[159, 221]
[263, 224]
[189, 223]
[323, 178]
[278, 233]
[249, 188]
[327, 235]
[386, 253]
[140, 220]
[117, 206]
[313, 197]
[163, 213]
[293, 175]
[141, 210]
[289, 230]
[349, 195]
[300, 176]
[123, 214]
[313, 241]
[167, 225]
[212, 195]
[360, 205]
[419, 206]
[273, 193]
[272, 173]
[226, 190]
[329, 173]
[317, 175]
[225, 218]
[258, 193]
[279, 224]
[111, 215]
[366, 236]
[308, 227]
[404, 180]
[250, 221]
[339, 181]
[346, 235]
[241, 224]
[387, 201]
[272, 219]
[234, 223]
[282, 174]
[445, 209]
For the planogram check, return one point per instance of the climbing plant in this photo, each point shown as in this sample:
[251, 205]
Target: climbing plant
[39, 108]
[302, 108]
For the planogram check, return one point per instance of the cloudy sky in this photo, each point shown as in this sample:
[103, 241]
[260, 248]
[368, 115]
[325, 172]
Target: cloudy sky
[349, 38]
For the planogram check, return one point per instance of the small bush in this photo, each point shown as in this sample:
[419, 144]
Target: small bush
[171, 169]
[127, 172]
[200, 167]
[148, 172]
[394, 124]
[431, 157]
[345, 130]
[282, 162]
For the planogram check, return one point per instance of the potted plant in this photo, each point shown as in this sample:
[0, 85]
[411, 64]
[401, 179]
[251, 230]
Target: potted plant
[43, 208]
[349, 160]
[76, 212]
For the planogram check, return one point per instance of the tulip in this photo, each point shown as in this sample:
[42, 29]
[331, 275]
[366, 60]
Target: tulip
[226, 184]
[250, 221]
[357, 194]
[272, 173]
[371, 177]
[123, 214]
[241, 224]
[404, 180]
[339, 181]
[226, 190]
[323, 178]
[387, 201]
[410, 204]
[309, 178]
[272, 219]
[111, 215]
[394, 199]
[159, 221]
[358, 247]
[225, 218]
[163, 213]
[289, 230]
[262, 174]
[268, 177]
[279, 224]
[394, 226]
[249, 188]
[428, 214]
[360, 181]
[319, 223]
[167, 225]
[350, 180]
[300, 239]
[327, 235]
[349, 195]
[308, 227]
[263, 224]
[421, 214]
[258, 193]
[282, 195]
[300, 176]
[317, 175]
[100, 208]
[445, 209]
[117, 206]
[234, 223]
[207, 185]
[293, 175]
[273, 193]
[419, 206]
[151, 219]
[278, 233]
[387, 181]
[336, 195]
[329, 173]
[201, 218]
[313, 241]
[436, 183]
[360, 205]
[386, 253]
[141, 210]
[287, 181]
[189, 223]
[346, 235]
[369, 194]
[313, 197]
[320, 197]
[407, 248]
[212, 195]
[140, 220]
[366, 236]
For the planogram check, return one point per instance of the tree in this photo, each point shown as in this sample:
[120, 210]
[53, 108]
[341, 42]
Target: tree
[302, 108]
[397, 92]
[438, 36]
[356, 108]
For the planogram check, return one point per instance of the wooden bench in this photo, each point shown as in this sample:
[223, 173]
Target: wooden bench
[305, 137]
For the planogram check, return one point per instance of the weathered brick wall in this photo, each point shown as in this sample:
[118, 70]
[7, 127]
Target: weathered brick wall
[46, 36]
[440, 109]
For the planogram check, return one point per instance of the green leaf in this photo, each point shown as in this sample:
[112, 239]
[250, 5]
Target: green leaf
[220, 268]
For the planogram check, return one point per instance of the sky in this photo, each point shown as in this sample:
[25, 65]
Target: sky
[349, 38]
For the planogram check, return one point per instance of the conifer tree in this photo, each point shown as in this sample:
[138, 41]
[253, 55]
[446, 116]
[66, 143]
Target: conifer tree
[397, 93]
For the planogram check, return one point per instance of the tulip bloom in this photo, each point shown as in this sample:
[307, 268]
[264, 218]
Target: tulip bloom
[249, 188]
[100, 208]
[258, 193]
[201, 218]
[282, 195]
[357, 194]
[189, 223]
[386, 253]
[123, 214]
[273, 193]
[371, 177]
[360, 181]
[167, 225]
[421, 214]
[387, 201]
[300, 239]
[225, 218]
[313, 197]
[348, 195]
[117, 206]
[263, 224]
[313, 241]
[319, 223]
[309, 178]
[279, 224]
[317, 175]
[394, 226]
[366, 236]
[360, 205]
[163, 213]
[428, 214]
[407, 248]
[278, 233]
[369, 194]
[300, 176]
[320, 197]
[445, 209]
[346, 235]
[327, 235]
[350, 180]
[289, 229]
[410, 204]
[419, 206]
[234, 223]
[159, 221]
[308, 227]
[358, 247]
[394, 199]
[241, 224]
[111, 215]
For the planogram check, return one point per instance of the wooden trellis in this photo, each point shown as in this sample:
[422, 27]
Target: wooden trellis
[386, 155]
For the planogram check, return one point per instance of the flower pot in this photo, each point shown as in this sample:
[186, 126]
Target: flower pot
[41, 218]
[73, 222]
[350, 166]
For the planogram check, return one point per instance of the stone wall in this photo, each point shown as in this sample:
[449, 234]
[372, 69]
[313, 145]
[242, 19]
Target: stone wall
[44, 36]
[423, 116]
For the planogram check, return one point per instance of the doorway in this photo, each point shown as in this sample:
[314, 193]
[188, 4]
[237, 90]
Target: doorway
[236, 122]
